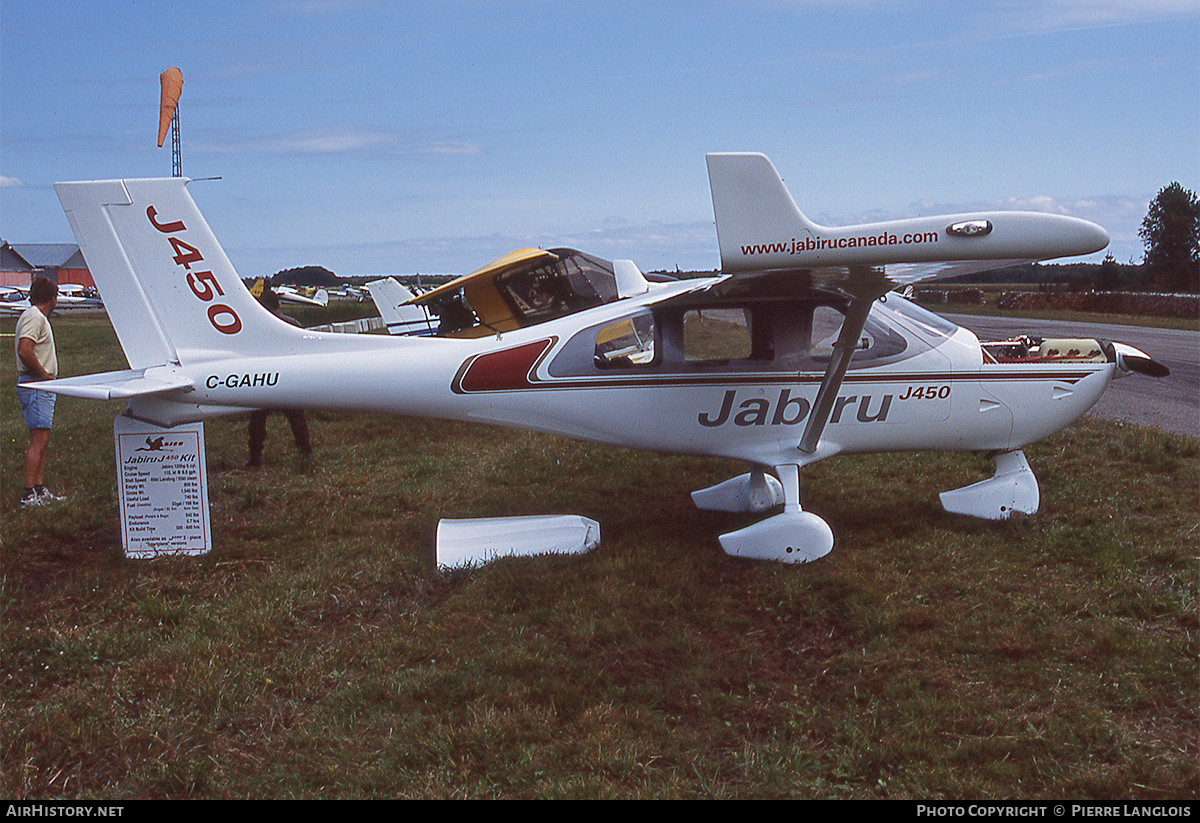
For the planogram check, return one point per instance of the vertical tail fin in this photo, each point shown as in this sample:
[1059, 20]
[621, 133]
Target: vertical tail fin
[752, 207]
[170, 291]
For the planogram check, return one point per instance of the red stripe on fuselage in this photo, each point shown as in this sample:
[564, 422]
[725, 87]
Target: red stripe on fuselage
[507, 370]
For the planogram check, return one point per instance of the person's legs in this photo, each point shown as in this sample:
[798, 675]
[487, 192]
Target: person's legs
[299, 423]
[258, 436]
[35, 457]
[38, 409]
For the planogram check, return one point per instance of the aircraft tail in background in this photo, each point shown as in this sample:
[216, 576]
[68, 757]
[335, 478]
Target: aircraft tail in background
[390, 298]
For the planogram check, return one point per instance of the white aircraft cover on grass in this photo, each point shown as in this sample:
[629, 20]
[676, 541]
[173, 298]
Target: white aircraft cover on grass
[828, 361]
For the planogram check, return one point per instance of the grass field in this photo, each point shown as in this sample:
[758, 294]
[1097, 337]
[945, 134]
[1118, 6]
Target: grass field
[318, 653]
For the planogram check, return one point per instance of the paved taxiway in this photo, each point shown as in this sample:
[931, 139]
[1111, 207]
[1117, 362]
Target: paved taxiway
[1170, 403]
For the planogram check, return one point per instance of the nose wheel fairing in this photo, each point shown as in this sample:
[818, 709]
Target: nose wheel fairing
[791, 537]
[1013, 488]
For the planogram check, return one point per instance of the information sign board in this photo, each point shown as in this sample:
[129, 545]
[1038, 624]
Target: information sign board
[163, 483]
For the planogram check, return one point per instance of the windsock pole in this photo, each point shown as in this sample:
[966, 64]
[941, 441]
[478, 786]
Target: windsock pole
[176, 154]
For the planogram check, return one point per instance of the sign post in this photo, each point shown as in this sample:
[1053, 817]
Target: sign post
[163, 483]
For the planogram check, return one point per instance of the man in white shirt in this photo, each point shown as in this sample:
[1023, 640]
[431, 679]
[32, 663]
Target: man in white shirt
[37, 360]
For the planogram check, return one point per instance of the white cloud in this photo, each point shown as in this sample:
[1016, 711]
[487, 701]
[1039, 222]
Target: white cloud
[9, 182]
[339, 141]
[333, 141]
[325, 141]
[446, 147]
[1039, 15]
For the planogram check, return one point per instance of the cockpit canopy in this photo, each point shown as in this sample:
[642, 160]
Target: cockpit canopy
[521, 289]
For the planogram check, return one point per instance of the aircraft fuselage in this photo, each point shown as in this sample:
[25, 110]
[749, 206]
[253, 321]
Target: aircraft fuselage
[943, 396]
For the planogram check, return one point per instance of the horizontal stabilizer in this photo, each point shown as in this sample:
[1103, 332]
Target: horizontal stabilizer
[118, 385]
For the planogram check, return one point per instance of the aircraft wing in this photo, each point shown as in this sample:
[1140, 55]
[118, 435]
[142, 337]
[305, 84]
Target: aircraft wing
[289, 295]
[760, 229]
[522, 258]
[767, 244]
[819, 282]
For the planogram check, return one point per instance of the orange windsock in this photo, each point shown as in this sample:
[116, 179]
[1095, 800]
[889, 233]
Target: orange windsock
[172, 85]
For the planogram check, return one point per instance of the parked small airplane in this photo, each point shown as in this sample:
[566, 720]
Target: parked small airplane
[392, 300]
[517, 290]
[823, 359]
[75, 291]
[71, 298]
[303, 295]
[12, 294]
[348, 292]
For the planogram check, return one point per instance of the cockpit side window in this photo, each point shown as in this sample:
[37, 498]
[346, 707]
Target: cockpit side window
[626, 343]
[716, 336]
[776, 336]
[929, 322]
[534, 293]
[794, 336]
[877, 343]
[590, 277]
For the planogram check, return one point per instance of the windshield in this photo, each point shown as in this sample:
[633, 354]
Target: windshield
[925, 321]
[573, 282]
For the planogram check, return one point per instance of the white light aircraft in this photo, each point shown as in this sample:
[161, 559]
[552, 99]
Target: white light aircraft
[303, 296]
[71, 298]
[826, 359]
[399, 315]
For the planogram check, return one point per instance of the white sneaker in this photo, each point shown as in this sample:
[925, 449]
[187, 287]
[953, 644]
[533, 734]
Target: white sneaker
[48, 496]
[31, 498]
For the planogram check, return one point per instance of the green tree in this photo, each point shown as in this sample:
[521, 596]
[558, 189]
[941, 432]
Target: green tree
[1109, 276]
[1171, 232]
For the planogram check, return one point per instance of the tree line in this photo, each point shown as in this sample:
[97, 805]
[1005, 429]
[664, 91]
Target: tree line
[1171, 233]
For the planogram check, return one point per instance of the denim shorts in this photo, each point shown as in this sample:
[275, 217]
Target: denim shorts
[37, 406]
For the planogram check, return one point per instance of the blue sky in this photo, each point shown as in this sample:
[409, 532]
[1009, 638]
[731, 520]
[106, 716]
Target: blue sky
[392, 137]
